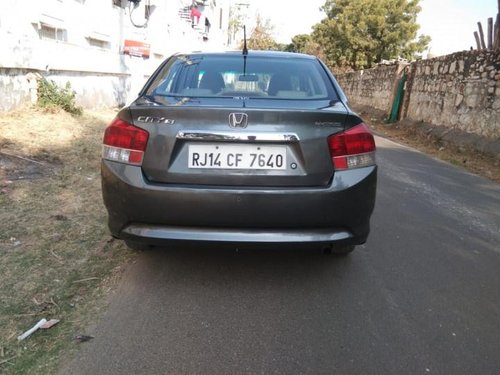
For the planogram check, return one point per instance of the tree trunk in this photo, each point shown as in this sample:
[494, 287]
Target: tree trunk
[496, 36]
[478, 43]
[481, 35]
[490, 33]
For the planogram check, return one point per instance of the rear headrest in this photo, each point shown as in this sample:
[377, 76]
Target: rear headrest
[212, 81]
[279, 82]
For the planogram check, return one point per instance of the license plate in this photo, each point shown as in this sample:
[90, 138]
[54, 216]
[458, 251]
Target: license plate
[237, 157]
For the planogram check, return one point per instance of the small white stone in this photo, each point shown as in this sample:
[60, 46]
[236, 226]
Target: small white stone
[452, 67]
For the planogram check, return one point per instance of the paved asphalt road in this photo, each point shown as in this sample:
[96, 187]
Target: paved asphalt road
[422, 296]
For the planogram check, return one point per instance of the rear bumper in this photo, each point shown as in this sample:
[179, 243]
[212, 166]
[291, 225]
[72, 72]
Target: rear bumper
[154, 213]
[160, 233]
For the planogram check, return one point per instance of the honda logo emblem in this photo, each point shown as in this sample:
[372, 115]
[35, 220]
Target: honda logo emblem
[238, 120]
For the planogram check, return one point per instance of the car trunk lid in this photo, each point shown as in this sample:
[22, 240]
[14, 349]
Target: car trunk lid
[246, 143]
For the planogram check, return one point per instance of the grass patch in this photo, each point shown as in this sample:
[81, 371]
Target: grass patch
[57, 257]
[51, 96]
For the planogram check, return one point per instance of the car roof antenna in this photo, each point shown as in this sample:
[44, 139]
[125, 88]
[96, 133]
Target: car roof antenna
[245, 50]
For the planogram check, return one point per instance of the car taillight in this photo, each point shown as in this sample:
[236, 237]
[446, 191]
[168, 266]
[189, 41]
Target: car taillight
[124, 142]
[354, 148]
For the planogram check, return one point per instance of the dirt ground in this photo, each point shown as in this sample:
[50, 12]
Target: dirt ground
[472, 153]
[57, 258]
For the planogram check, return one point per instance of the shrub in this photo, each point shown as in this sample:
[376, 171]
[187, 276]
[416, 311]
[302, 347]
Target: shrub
[51, 96]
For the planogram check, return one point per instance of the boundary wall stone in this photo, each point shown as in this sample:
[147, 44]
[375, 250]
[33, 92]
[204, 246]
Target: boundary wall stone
[460, 91]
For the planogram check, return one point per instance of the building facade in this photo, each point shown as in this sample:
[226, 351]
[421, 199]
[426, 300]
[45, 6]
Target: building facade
[106, 49]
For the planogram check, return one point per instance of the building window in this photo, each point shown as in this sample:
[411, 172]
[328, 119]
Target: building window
[99, 40]
[52, 33]
[98, 43]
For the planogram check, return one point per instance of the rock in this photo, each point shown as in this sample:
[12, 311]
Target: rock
[436, 68]
[472, 100]
[461, 66]
[452, 67]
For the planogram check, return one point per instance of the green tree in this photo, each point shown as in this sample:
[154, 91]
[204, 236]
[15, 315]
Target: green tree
[304, 43]
[299, 43]
[360, 33]
[281, 47]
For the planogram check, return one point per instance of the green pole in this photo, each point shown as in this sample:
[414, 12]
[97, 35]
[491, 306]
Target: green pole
[393, 117]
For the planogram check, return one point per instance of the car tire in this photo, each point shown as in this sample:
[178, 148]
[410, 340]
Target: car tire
[138, 246]
[338, 250]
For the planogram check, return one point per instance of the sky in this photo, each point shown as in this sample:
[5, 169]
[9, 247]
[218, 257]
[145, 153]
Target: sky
[450, 23]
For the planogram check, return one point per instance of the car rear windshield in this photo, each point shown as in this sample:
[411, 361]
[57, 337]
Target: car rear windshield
[236, 76]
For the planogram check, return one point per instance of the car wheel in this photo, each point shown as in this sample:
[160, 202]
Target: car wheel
[338, 250]
[138, 246]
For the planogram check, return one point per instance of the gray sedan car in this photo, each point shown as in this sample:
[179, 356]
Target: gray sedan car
[240, 148]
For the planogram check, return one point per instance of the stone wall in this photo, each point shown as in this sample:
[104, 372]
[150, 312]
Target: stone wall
[373, 87]
[459, 91]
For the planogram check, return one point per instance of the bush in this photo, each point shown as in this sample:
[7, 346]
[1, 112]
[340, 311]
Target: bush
[51, 96]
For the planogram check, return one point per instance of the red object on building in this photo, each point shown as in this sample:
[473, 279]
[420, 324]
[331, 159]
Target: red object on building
[136, 48]
[195, 13]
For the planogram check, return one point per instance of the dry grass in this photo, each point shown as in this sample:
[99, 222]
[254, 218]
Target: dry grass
[52, 234]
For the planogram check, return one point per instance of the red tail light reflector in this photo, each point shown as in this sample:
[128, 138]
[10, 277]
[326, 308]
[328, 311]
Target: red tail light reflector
[354, 148]
[124, 142]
